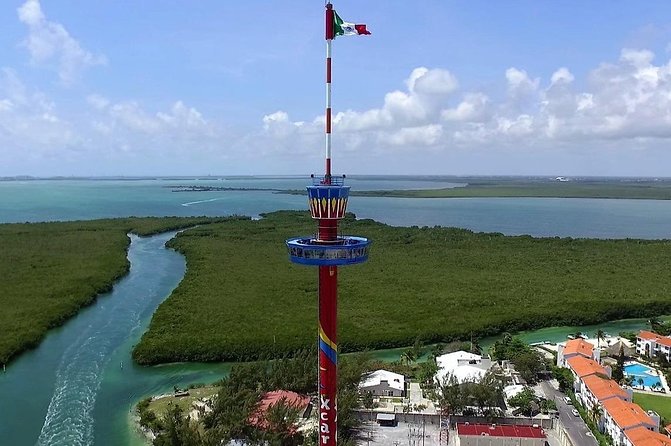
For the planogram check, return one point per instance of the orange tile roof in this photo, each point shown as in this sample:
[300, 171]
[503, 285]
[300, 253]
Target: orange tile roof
[627, 415]
[650, 336]
[641, 436]
[604, 389]
[585, 367]
[579, 346]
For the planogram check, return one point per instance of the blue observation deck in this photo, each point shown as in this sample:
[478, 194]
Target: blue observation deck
[327, 200]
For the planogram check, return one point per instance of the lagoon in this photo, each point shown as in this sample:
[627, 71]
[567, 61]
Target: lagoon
[85, 199]
[79, 385]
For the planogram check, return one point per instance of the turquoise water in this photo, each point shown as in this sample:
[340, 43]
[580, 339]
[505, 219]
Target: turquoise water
[79, 385]
[640, 371]
[44, 200]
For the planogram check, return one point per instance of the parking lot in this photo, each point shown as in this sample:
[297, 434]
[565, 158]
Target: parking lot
[410, 434]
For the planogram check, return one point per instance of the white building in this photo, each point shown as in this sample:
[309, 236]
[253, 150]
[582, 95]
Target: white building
[383, 383]
[641, 436]
[582, 367]
[595, 389]
[651, 344]
[576, 347]
[620, 416]
[463, 366]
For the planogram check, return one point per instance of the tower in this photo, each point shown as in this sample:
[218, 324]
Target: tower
[327, 201]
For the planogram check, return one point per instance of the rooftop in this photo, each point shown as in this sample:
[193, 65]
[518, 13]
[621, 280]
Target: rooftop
[585, 367]
[627, 415]
[293, 399]
[579, 346]
[500, 430]
[650, 336]
[394, 380]
[641, 436]
[603, 388]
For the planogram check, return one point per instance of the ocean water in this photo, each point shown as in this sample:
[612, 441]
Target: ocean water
[48, 200]
[79, 386]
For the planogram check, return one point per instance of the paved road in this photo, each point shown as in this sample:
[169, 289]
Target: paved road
[576, 428]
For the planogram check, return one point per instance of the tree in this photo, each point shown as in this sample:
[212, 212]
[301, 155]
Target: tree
[279, 425]
[178, 430]
[450, 396]
[618, 370]
[524, 401]
[529, 364]
[427, 372]
[509, 347]
[596, 412]
[600, 336]
[564, 377]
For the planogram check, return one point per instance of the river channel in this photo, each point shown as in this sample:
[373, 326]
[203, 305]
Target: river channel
[78, 387]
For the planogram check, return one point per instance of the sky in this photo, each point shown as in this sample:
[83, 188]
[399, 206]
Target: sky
[441, 87]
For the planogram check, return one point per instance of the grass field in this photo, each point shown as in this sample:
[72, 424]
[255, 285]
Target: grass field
[50, 270]
[658, 403]
[160, 406]
[242, 299]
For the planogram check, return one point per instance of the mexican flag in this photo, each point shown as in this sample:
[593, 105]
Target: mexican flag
[342, 28]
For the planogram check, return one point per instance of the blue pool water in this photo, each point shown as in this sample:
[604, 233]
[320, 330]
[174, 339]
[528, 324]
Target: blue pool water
[643, 372]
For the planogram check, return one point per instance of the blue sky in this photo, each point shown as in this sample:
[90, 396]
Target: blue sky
[440, 87]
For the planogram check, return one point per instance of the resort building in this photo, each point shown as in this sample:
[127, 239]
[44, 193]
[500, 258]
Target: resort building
[383, 383]
[499, 435]
[620, 416]
[576, 347]
[640, 436]
[301, 403]
[463, 366]
[595, 389]
[582, 367]
[651, 344]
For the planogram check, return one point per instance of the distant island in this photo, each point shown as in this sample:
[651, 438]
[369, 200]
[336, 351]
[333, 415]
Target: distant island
[502, 187]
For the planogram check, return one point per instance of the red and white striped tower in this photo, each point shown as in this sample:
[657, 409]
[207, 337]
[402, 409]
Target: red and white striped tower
[328, 284]
[327, 200]
[330, 35]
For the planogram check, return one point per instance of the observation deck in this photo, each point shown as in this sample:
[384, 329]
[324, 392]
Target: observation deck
[327, 200]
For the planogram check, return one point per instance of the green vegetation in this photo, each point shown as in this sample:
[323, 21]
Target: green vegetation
[653, 190]
[658, 403]
[235, 405]
[242, 299]
[51, 270]
[533, 187]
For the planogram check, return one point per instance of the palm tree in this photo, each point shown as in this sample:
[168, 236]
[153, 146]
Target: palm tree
[596, 412]
[408, 357]
[600, 336]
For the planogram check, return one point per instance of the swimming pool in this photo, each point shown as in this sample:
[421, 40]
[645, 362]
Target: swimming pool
[640, 371]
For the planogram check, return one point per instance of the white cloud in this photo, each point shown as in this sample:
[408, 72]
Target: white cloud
[29, 122]
[625, 100]
[49, 43]
[97, 101]
[562, 75]
[472, 108]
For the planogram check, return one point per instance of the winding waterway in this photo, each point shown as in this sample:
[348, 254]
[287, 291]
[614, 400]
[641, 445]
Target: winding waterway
[78, 386]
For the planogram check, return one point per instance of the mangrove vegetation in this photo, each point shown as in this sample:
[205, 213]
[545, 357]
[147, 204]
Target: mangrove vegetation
[51, 270]
[242, 299]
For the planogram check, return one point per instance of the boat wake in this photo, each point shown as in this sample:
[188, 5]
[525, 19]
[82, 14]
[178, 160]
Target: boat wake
[190, 203]
[69, 420]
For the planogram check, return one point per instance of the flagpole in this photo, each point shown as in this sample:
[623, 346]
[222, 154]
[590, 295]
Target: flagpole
[329, 41]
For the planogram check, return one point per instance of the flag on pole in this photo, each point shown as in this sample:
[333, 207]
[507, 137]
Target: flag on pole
[342, 28]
